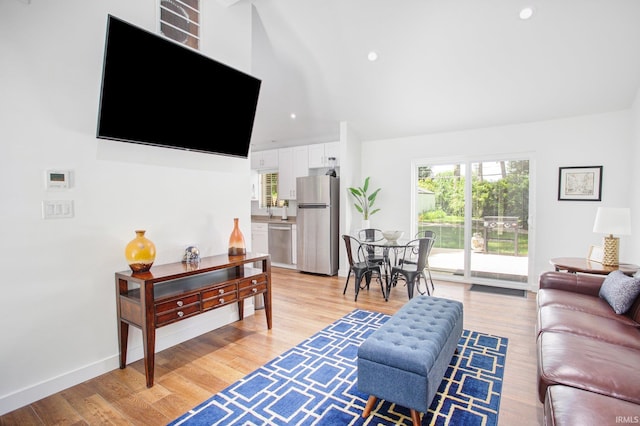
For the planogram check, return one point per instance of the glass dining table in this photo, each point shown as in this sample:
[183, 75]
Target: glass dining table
[392, 252]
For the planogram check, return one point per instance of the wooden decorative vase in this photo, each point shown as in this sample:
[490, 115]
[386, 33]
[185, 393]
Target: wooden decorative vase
[236, 241]
[140, 253]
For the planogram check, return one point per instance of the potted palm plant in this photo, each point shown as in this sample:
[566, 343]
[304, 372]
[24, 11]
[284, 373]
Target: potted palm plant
[364, 201]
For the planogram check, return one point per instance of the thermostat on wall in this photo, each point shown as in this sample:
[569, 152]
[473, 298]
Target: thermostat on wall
[58, 179]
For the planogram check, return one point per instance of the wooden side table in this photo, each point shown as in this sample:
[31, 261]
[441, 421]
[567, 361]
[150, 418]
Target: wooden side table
[579, 264]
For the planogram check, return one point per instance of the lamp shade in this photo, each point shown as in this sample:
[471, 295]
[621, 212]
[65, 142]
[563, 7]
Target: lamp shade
[613, 220]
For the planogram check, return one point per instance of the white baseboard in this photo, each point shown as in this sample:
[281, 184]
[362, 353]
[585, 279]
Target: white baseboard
[166, 337]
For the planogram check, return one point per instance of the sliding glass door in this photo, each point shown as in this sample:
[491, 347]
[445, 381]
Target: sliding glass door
[480, 213]
[440, 207]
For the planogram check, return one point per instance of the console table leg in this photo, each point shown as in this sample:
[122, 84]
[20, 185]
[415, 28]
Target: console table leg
[241, 309]
[149, 339]
[123, 340]
[266, 267]
[267, 308]
[148, 331]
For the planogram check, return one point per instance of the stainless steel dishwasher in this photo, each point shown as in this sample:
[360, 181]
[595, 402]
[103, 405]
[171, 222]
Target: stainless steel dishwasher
[280, 247]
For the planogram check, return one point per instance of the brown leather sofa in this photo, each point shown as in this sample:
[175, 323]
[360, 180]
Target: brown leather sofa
[588, 356]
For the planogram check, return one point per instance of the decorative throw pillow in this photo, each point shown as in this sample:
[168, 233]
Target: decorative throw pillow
[620, 291]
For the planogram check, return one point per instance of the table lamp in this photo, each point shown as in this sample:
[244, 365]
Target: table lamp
[612, 220]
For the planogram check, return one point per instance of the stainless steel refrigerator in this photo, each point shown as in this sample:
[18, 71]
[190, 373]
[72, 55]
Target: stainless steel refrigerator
[318, 224]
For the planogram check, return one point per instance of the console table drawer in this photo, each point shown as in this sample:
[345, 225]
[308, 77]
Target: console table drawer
[219, 296]
[253, 285]
[177, 314]
[176, 303]
[252, 281]
[219, 301]
[219, 291]
[253, 290]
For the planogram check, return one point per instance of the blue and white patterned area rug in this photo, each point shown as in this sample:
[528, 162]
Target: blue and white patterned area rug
[315, 383]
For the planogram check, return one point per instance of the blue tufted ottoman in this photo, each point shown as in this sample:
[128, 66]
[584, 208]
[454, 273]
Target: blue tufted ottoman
[404, 361]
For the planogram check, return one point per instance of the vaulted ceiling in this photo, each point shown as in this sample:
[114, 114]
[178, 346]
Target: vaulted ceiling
[442, 65]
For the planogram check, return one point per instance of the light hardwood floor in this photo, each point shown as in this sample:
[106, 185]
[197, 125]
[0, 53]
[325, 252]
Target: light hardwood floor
[303, 304]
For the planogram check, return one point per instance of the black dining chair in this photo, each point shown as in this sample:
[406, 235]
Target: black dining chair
[360, 266]
[411, 266]
[374, 254]
[428, 234]
[425, 234]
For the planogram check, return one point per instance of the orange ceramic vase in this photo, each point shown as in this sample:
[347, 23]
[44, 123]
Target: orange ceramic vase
[140, 253]
[236, 241]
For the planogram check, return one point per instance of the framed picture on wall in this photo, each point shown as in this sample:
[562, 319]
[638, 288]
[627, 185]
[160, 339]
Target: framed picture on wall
[580, 183]
[596, 254]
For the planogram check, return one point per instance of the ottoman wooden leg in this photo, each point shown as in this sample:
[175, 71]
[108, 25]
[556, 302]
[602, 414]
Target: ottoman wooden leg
[415, 417]
[370, 403]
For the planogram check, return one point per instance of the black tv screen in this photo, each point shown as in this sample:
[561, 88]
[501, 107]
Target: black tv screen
[157, 92]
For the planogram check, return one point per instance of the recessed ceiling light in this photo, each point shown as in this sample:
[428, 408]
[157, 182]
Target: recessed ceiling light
[526, 13]
[372, 56]
[293, 115]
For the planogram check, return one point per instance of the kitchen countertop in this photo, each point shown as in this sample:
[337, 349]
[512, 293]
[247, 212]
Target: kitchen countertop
[274, 219]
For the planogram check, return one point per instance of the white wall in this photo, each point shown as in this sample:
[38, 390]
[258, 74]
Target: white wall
[59, 314]
[562, 228]
[350, 219]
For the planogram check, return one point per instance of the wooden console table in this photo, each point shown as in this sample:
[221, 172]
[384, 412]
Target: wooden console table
[579, 264]
[176, 291]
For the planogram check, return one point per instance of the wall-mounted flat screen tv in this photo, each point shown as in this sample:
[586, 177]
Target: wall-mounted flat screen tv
[157, 92]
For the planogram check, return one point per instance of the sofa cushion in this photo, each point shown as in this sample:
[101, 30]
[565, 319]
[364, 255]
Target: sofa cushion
[589, 364]
[580, 302]
[569, 406]
[556, 318]
[620, 291]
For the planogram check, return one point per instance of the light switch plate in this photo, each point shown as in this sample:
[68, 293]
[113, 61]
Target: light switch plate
[57, 209]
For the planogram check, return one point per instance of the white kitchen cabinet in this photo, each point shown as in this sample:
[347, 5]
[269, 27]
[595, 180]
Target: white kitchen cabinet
[262, 160]
[332, 149]
[319, 154]
[259, 237]
[292, 163]
[316, 156]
